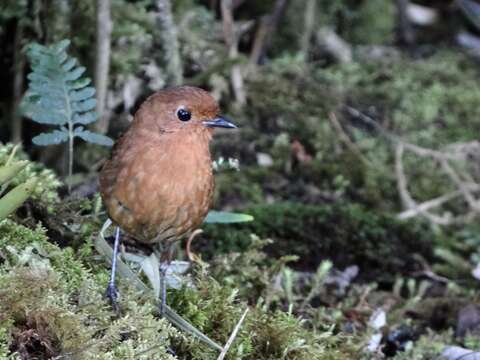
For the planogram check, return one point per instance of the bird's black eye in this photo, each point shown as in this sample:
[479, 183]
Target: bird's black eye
[183, 115]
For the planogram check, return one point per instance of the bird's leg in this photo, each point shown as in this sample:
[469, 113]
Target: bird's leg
[163, 282]
[163, 290]
[112, 293]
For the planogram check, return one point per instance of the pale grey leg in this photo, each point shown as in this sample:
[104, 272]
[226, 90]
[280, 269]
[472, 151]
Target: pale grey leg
[112, 292]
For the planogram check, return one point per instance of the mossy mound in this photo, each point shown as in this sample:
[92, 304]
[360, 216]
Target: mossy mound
[347, 234]
[52, 304]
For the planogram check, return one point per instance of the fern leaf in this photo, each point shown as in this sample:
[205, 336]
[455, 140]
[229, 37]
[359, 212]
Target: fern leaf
[80, 83]
[59, 95]
[61, 46]
[46, 87]
[55, 137]
[83, 106]
[51, 102]
[75, 74]
[38, 77]
[85, 118]
[69, 64]
[94, 138]
[43, 116]
[82, 94]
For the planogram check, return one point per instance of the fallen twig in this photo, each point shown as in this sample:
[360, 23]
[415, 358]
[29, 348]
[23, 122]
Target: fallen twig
[465, 186]
[342, 135]
[232, 336]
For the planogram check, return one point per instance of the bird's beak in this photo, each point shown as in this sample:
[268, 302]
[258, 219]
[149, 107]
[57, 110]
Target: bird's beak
[220, 121]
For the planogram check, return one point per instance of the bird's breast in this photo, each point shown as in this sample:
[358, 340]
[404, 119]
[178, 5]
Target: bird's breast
[165, 190]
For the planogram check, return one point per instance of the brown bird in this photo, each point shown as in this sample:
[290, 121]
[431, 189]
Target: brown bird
[158, 184]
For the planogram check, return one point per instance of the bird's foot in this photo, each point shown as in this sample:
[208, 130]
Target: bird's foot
[112, 295]
[170, 351]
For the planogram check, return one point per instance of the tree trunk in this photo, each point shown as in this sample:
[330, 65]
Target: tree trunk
[102, 64]
[18, 82]
[231, 40]
[308, 30]
[267, 26]
[405, 29]
[168, 42]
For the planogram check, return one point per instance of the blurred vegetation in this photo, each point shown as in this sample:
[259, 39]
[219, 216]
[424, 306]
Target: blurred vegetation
[330, 92]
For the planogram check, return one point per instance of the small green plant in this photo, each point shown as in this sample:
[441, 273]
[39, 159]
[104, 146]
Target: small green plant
[224, 217]
[16, 196]
[58, 95]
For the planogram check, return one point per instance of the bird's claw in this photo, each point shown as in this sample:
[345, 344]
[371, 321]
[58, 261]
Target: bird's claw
[112, 295]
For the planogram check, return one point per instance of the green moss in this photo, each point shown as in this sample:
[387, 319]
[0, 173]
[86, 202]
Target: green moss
[20, 237]
[347, 234]
[423, 99]
[242, 187]
[24, 245]
[35, 303]
[371, 22]
[49, 294]
[358, 22]
[264, 334]
[56, 295]
[429, 346]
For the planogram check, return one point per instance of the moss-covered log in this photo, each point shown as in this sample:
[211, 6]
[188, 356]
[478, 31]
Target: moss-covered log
[348, 234]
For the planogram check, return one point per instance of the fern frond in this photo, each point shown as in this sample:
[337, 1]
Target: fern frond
[59, 95]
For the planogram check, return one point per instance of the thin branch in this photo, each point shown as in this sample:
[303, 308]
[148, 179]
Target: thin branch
[231, 40]
[405, 28]
[402, 186]
[465, 186]
[232, 336]
[342, 135]
[166, 38]
[268, 24]
[428, 205]
[421, 151]
[309, 26]
[18, 83]
[461, 186]
[405, 196]
[102, 62]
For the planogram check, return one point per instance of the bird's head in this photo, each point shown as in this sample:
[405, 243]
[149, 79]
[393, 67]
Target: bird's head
[182, 108]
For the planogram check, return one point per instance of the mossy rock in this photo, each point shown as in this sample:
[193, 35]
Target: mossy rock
[348, 234]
